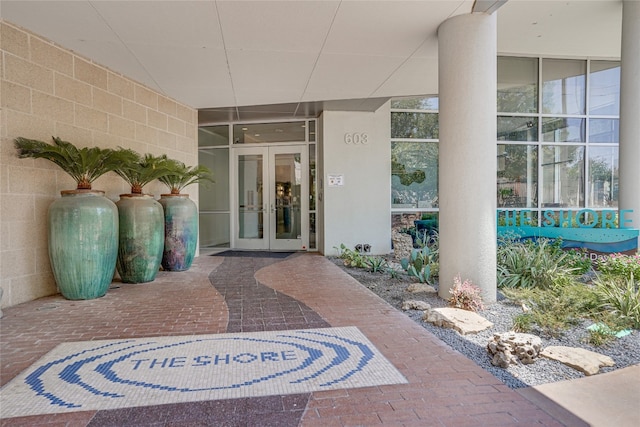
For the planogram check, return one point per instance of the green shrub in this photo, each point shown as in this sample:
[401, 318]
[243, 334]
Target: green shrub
[376, 264]
[620, 296]
[351, 258]
[533, 264]
[418, 264]
[553, 309]
[619, 265]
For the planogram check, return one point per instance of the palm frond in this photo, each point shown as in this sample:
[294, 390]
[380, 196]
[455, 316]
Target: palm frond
[181, 176]
[139, 170]
[84, 165]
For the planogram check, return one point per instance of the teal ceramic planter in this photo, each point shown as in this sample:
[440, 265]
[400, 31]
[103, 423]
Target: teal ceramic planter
[141, 238]
[181, 231]
[83, 243]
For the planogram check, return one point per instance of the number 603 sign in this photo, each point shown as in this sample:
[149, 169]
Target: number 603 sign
[356, 138]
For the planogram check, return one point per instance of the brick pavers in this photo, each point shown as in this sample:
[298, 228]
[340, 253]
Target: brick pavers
[444, 389]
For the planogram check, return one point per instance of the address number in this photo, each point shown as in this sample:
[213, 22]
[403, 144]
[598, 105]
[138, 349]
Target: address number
[356, 138]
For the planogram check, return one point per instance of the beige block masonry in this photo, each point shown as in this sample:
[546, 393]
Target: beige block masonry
[47, 90]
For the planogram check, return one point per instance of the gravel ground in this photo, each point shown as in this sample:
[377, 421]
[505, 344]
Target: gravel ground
[624, 351]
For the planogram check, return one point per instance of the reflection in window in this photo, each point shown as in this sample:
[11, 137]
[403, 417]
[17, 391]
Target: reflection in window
[212, 136]
[563, 176]
[517, 85]
[603, 177]
[517, 128]
[517, 176]
[427, 103]
[414, 174]
[604, 130]
[563, 129]
[604, 88]
[214, 196]
[563, 86]
[269, 132]
[414, 125]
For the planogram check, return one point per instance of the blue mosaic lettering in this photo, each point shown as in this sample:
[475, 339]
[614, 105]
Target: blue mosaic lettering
[269, 355]
[288, 355]
[162, 363]
[138, 362]
[217, 359]
[240, 358]
[201, 361]
[549, 219]
[177, 362]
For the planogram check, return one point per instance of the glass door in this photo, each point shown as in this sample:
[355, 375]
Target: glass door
[288, 171]
[251, 203]
[271, 198]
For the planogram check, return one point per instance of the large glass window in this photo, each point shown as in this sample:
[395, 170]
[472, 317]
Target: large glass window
[517, 85]
[414, 125]
[563, 129]
[557, 133]
[414, 174]
[517, 176]
[563, 86]
[214, 199]
[563, 176]
[257, 133]
[604, 88]
[603, 177]
[212, 136]
[517, 128]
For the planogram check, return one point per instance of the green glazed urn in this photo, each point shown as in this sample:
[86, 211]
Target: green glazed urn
[180, 231]
[141, 238]
[83, 243]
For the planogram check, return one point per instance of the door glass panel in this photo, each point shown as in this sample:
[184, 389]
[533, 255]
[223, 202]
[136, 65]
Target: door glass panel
[288, 186]
[250, 196]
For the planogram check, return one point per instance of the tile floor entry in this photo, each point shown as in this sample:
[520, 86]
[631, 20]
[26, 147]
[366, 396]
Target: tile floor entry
[98, 375]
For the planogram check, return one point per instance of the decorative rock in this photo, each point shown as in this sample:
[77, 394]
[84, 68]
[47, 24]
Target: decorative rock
[416, 288]
[402, 245]
[415, 305]
[585, 361]
[510, 347]
[463, 321]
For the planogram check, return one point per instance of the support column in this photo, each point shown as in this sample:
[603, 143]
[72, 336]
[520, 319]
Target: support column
[467, 46]
[629, 173]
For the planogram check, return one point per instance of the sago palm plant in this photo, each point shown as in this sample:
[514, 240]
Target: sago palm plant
[139, 170]
[181, 175]
[84, 165]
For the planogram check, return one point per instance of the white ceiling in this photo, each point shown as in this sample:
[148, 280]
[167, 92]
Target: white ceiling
[241, 60]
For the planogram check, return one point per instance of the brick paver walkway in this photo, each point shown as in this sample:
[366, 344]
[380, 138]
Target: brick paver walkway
[227, 294]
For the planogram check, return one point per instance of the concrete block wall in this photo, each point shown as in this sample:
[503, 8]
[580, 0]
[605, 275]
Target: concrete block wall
[47, 90]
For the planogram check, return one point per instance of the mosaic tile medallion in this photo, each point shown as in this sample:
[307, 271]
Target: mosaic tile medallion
[94, 375]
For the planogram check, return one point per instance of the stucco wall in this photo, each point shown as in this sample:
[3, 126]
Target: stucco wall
[356, 147]
[50, 91]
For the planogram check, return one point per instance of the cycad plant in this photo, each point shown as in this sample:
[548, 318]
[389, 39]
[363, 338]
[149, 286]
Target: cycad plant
[82, 224]
[181, 175]
[180, 215]
[84, 165]
[139, 171]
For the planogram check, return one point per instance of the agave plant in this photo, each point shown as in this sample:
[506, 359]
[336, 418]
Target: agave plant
[84, 165]
[139, 170]
[181, 176]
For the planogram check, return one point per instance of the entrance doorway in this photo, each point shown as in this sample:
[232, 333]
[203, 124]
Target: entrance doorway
[271, 198]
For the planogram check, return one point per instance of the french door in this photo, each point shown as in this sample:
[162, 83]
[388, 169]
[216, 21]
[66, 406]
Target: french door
[271, 198]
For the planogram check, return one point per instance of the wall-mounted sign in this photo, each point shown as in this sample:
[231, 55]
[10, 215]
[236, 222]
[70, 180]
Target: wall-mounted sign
[335, 180]
[601, 232]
